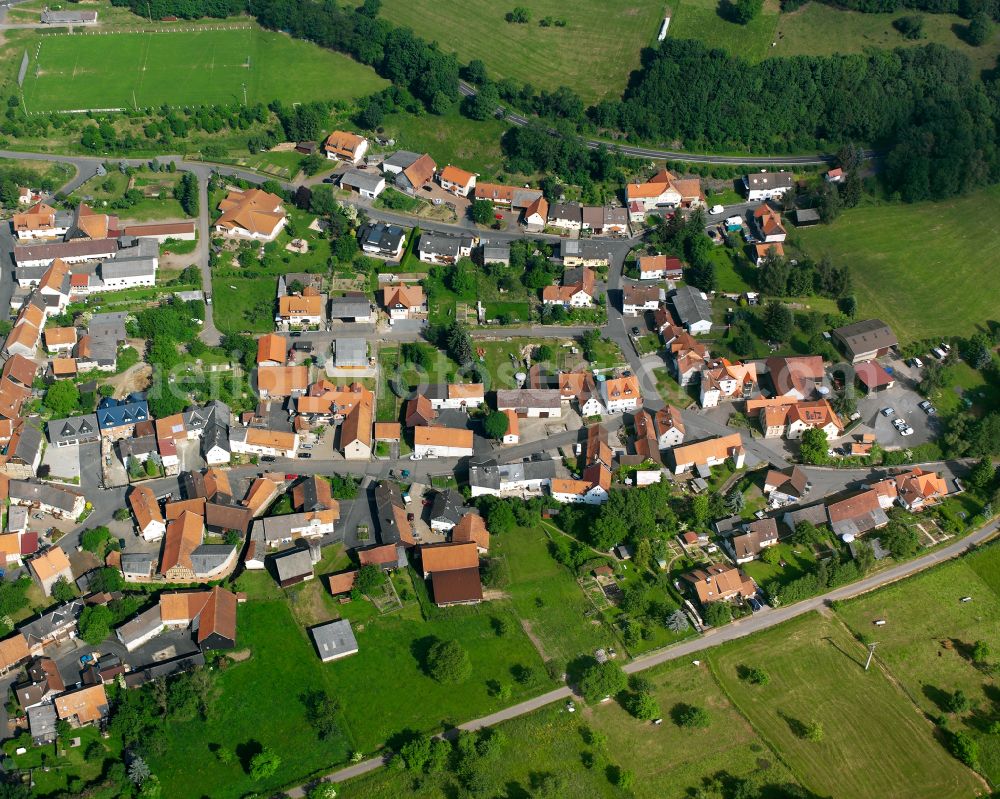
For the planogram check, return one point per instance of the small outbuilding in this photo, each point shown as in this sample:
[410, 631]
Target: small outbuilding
[334, 640]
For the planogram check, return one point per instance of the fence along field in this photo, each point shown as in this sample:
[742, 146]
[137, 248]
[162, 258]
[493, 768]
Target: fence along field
[215, 65]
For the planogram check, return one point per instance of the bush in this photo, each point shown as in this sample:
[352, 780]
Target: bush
[602, 680]
[690, 716]
[717, 614]
[448, 662]
[643, 706]
[755, 675]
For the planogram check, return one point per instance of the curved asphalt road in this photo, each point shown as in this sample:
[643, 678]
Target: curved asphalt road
[738, 629]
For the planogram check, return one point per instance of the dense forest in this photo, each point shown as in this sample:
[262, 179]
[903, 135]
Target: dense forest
[965, 8]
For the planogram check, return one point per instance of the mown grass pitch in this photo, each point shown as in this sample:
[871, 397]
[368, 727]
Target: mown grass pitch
[95, 70]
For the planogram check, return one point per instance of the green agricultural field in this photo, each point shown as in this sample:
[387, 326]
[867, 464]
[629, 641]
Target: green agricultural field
[927, 640]
[702, 20]
[283, 665]
[553, 607]
[921, 268]
[593, 54]
[671, 761]
[875, 741]
[125, 70]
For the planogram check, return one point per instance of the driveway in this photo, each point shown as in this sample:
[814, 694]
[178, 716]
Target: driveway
[63, 462]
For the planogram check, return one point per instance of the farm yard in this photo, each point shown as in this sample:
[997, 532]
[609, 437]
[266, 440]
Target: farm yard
[210, 66]
[898, 253]
[545, 57]
[872, 741]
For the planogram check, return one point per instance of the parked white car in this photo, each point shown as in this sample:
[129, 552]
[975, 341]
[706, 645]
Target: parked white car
[717, 209]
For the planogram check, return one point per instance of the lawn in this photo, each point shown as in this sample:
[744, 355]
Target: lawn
[593, 54]
[798, 560]
[733, 273]
[900, 252]
[928, 635]
[807, 32]
[701, 19]
[875, 742]
[243, 304]
[283, 665]
[670, 761]
[547, 597]
[125, 70]
[963, 383]
[450, 138]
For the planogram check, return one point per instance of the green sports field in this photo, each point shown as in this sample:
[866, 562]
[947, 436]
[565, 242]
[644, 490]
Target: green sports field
[197, 66]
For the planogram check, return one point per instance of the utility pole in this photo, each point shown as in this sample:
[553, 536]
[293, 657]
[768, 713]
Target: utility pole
[871, 653]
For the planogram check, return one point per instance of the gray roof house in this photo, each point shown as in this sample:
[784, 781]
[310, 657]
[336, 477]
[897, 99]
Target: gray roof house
[352, 307]
[42, 723]
[496, 253]
[484, 476]
[137, 564]
[293, 566]
[75, 430]
[55, 625]
[139, 448]
[382, 238]
[350, 352]
[208, 558]
[62, 500]
[334, 640]
[141, 629]
[108, 325]
[398, 161]
[366, 182]
[388, 497]
[447, 509]
[693, 309]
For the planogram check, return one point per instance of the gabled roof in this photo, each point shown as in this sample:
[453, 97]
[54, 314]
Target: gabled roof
[272, 347]
[344, 144]
[420, 171]
[184, 535]
[144, 506]
[445, 557]
[282, 381]
[456, 586]
[471, 527]
[452, 174]
[857, 514]
[253, 210]
[86, 705]
[403, 295]
[442, 437]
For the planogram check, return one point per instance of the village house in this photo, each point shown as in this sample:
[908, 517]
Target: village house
[282, 381]
[442, 442]
[767, 224]
[576, 291]
[914, 489]
[763, 185]
[663, 193]
[591, 489]
[723, 380]
[763, 252]
[662, 429]
[756, 537]
[186, 558]
[692, 309]
[442, 248]
[146, 511]
[46, 498]
[856, 515]
[620, 394]
[298, 311]
[872, 377]
[582, 388]
[263, 491]
[584, 252]
[252, 214]
[277, 531]
[515, 197]
[211, 615]
[636, 300]
[353, 306]
[416, 175]
[41, 221]
[455, 396]
[785, 486]
[293, 566]
[60, 340]
[272, 350]
[866, 340]
[568, 216]
[49, 567]
[486, 476]
[804, 416]
[83, 706]
[660, 267]
[447, 509]
[513, 434]
[472, 527]
[404, 300]
[719, 583]
[454, 572]
[383, 240]
[457, 181]
[390, 513]
[343, 146]
[531, 403]
[259, 441]
[418, 412]
[797, 377]
[367, 183]
[536, 215]
[497, 252]
[21, 455]
[708, 452]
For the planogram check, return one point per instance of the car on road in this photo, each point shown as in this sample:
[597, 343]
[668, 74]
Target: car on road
[305, 454]
[635, 331]
[267, 459]
[717, 209]
[888, 411]
[899, 423]
[291, 477]
[295, 333]
[416, 456]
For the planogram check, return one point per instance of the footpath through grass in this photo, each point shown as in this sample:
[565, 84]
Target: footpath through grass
[102, 70]
[926, 269]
